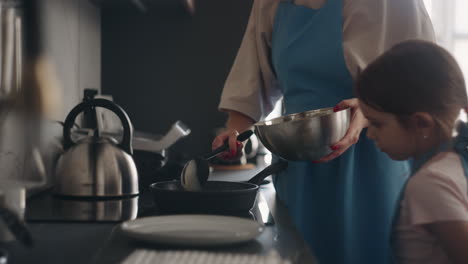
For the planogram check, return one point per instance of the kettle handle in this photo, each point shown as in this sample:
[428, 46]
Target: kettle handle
[126, 143]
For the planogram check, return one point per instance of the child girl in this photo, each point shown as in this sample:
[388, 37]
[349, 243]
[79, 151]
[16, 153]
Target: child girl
[412, 96]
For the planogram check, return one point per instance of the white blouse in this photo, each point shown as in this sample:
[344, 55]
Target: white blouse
[370, 27]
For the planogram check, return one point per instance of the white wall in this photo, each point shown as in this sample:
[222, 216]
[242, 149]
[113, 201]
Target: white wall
[72, 36]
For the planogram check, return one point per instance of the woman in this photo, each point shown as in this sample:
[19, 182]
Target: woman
[309, 52]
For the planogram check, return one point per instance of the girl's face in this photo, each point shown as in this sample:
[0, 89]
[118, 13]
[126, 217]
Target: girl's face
[389, 134]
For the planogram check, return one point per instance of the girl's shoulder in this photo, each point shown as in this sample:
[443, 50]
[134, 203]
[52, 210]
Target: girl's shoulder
[444, 164]
[437, 192]
[443, 173]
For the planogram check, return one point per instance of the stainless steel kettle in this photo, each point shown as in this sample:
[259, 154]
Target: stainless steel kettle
[96, 166]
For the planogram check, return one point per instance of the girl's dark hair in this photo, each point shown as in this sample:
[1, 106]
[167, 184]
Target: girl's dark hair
[415, 76]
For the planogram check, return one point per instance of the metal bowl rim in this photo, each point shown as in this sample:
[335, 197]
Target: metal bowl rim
[299, 116]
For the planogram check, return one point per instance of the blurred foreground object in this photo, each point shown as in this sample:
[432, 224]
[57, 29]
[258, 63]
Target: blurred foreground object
[28, 83]
[28, 95]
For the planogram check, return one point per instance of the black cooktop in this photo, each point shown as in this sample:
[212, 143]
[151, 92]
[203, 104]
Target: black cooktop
[46, 207]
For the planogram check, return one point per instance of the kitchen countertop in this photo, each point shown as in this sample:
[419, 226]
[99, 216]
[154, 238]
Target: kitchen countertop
[89, 242]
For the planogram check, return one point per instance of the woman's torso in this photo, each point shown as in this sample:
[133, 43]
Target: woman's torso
[330, 210]
[308, 57]
[369, 27]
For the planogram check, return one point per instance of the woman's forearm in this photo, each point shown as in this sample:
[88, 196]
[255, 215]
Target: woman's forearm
[238, 121]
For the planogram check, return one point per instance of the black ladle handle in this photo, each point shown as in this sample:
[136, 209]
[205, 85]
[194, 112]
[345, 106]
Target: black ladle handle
[126, 143]
[242, 137]
[276, 167]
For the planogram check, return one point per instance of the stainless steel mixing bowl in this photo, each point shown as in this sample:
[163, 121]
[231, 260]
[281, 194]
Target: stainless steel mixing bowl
[304, 136]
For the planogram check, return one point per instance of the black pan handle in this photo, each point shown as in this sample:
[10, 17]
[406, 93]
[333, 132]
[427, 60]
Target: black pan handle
[276, 167]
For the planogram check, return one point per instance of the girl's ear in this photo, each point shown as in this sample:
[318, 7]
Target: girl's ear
[423, 122]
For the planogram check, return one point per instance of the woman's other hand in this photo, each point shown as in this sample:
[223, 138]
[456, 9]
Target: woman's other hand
[235, 147]
[357, 123]
[236, 122]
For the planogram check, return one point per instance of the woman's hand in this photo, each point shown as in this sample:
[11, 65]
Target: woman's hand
[236, 122]
[235, 147]
[357, 123]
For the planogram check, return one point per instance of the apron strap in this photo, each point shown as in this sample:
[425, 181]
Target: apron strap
[461, 145]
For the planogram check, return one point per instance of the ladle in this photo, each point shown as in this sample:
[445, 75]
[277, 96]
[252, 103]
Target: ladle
[195, 172]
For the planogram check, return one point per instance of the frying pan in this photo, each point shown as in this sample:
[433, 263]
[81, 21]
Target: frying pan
[215, 196]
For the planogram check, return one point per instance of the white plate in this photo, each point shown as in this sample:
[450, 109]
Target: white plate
[192, 230]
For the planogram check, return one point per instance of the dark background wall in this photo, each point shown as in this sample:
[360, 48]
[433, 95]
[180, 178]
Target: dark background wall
[166, 65]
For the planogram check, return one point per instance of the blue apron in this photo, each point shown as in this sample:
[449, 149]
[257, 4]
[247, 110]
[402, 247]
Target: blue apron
[343, 208]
